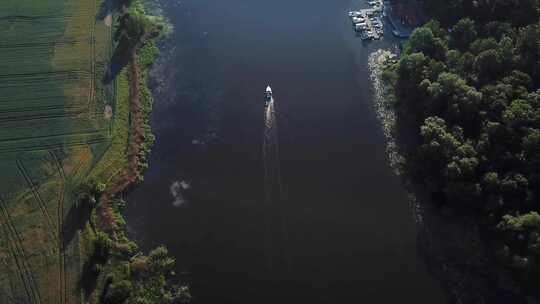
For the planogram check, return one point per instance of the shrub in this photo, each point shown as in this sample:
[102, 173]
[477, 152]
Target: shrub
[519, 222]
[118, 292]
[102, 247]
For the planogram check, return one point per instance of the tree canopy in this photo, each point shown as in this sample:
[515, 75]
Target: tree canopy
[470, 92]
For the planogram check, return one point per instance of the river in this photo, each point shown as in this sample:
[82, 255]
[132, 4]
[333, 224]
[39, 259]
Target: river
[342, 230]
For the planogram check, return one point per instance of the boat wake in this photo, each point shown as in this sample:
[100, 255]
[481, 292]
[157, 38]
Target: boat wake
[276, 232]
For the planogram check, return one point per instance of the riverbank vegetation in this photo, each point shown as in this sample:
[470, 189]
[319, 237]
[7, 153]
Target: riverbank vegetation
[115, 271]
[467, 99]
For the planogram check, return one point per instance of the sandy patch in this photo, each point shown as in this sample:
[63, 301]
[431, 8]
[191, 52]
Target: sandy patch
[107, 113]
[108, 20]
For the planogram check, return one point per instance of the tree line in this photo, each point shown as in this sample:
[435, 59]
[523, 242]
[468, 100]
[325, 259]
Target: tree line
[466, 94]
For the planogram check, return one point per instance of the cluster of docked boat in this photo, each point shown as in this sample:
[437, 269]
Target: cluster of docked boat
[368, 22]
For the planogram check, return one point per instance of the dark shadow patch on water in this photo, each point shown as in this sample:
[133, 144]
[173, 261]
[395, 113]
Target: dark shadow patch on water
[107, 7]
[458, 253]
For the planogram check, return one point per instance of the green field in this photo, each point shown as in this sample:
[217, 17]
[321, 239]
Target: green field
[56, 127]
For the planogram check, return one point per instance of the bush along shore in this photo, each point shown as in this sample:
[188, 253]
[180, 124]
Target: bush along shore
[115, 271]
[466, 100]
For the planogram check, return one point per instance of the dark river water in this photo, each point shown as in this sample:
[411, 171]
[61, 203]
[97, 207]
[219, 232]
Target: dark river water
[343, 230]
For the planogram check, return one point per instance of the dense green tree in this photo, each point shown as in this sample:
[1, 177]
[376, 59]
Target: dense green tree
[472, 97]
[118, 293]
[102, 247]
[488, 65]
[435, 27]
[531, 144]
[498, 29]
[151, 273]
[516, 12]
[520, 222]
[439, 145]
[463, 34]
[424, 41]
[528, 48]
[519, 114]
[451, 98]
[483, 44]
[491, 182]
[410, 73]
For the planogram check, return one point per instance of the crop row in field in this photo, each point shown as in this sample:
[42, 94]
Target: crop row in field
[56, 119]
[49, 70]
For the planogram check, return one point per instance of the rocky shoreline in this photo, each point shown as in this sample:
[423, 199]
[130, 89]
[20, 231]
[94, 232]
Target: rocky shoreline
[384, 111]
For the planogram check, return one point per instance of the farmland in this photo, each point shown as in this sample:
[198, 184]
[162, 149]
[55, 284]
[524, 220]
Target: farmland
[58, 119]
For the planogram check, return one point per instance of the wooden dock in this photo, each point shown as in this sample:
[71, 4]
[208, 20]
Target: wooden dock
[369, 22]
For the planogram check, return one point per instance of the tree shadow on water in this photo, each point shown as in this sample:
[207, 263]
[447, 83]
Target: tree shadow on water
[107, 7]
[457, 254]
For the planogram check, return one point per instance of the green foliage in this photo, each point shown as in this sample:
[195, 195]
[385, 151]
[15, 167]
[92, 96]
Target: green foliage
[147, 54]
[531, 142]
[118, 292]
[127, 276]
[491, 182]
[89, 191]
[133, 25]
[519, 113]
[439, 144]
[143, 279]
[520, 222]
[160, 260]
[102, 247]
[463, 34]
[424, 41]
[518, 12]
[472, 96]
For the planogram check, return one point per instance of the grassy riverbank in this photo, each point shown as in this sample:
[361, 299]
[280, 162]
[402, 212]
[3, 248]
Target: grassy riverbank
[115, 271]
[67, 117]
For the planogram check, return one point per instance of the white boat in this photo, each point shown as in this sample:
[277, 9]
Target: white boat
[354, 13]
[268, 96]
[358, 20]
[360, 27]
